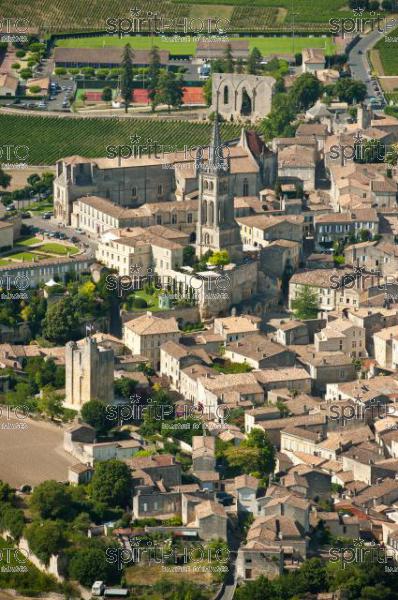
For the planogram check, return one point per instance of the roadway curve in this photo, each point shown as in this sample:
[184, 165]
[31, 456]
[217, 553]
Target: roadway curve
[358, 60]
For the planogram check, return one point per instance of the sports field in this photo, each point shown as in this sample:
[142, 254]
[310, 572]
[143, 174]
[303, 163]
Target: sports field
[185, 45]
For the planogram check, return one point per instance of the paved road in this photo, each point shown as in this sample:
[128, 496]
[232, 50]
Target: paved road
[358, 60]
[53, 225]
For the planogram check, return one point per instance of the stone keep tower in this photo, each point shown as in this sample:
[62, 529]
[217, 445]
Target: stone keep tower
[216, 228]
[88, 373]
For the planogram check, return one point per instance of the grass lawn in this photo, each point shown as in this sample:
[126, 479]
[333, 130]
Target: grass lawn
[149, 574]
[59, 249]
[229, 368]
[266, 45]
[41, 207]
[29, 241]
[24, 256]
[388, 52]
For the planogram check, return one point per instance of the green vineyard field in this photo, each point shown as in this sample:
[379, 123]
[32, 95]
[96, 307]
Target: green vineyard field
[51, 138]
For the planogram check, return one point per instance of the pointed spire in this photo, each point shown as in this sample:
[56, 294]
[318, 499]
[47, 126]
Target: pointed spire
[217, 162]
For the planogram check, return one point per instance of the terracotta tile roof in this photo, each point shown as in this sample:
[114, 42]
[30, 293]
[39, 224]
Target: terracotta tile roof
[149, 324]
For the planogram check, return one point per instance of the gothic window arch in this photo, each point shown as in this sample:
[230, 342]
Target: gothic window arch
[206, 184]
[206, 239]
[211, 214]
[245, 187]
[226, 94]
[204, 212]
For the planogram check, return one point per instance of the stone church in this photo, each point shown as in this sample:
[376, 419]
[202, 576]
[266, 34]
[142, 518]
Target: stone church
[158, 178]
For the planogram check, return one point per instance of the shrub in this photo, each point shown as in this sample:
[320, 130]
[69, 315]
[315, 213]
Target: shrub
[60, 71]
[140, 303]
[20, 53]
[15, 66]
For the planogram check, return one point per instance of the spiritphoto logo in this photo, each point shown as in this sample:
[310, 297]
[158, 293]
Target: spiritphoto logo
[13, 560]
[164, 553]
[13, 418]
[360, 553]
[13, 30]
[15, 156]
[359, 23]
[160, 24]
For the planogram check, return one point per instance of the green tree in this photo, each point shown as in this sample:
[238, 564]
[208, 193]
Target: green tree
[94, 413]
[61, 322]
[106, 95]
[45, 538]
[228, 59]
[50, 402]
[153, 75]
[239, 67]
[125, 387]
[305, 305]
[13, 520]
[253, 62]
[126, 80]
[171, 90]
[5, 179]
[219, 258]
[111, 483]
[207, 91]
[51, 500]
[350, 90]
[90, 563]
[305, 91]
[188, 254]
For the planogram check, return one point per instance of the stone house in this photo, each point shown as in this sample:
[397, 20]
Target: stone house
[373, 319]
[385, 347]
[291, 505]
[189, 377]
[258, 558]
[275, 428]
[246, 488]
[326, 368]
[260, 230]
[309, 482]
[279, 256]
[232, 329]
[385, 492]
[145, 334]
[279, 531]
[339, 226]
[293, 378]
[376, 256]
[341, 335]
[363, 461]
[174, 357]
[339, 525]
[137, 248]
[203, 454]
[259, 352]
[79, 433]
[212, 520]
[80, 474]
[149, 501]
[297, 165]
[313, 60]
[159, 467]
[262, 413]
[292, 332]
[232, 389]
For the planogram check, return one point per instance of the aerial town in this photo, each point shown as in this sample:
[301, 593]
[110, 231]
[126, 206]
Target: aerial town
[199, 300]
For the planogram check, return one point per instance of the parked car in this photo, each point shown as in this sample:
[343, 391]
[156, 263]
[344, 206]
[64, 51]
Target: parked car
[46, 216]
[26, 215]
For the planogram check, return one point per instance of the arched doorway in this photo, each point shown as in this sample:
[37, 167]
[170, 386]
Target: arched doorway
[246, 107]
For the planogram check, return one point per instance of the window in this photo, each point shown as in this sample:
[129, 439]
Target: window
[226, 94]
[160, 189]
[174, 218]
[145, 507]
[245, 187]
[158, 219]
[189, 218]
[133, 192]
